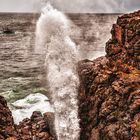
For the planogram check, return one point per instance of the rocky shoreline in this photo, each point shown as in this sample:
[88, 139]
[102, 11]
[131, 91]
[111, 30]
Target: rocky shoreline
[109, 97]
[38, 127]
[109, 93]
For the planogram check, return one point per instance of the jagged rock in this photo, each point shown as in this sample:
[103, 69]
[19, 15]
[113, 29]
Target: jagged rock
[109, 93]
[36, 128]
[39, 127]
[7, 128]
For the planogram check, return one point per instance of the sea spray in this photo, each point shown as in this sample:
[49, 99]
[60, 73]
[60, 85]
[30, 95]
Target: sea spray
[52, 39]
[24, 108]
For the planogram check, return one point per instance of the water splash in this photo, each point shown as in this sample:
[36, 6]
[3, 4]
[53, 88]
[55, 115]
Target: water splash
[25, 107]
[52, 39]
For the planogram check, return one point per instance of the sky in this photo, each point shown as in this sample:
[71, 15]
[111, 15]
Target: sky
[84, 6]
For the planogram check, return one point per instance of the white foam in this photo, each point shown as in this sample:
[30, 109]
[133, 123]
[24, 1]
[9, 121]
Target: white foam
[25, 107]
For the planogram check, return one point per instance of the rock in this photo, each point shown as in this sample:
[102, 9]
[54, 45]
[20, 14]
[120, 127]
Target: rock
[36, 128]
[7, 128]
[11, 138]
[109, 93]
[39, 127]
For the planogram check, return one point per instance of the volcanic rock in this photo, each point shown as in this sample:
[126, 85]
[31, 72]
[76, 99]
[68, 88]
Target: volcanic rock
[109, 93]
[7, 128]
[38, 127]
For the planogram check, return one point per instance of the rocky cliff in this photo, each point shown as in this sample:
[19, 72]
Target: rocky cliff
[109, 94]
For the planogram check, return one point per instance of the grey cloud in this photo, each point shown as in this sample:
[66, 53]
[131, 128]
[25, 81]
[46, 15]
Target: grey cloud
[96, 6]
[131, 5]
[19, 5]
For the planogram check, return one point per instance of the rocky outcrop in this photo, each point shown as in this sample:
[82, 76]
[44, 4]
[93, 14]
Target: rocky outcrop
[38, 127]
[7, 128]
[109, 94]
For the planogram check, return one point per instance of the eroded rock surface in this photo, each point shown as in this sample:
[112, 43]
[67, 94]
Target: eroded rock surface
[7, 128]
[109, 96]
[38, 127]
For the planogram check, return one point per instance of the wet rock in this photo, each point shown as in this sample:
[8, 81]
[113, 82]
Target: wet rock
[109, 93]
[39, 127]
[36, 128]
[7, 31]
[7, 128]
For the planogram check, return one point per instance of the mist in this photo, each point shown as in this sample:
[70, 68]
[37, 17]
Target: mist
[72, 6]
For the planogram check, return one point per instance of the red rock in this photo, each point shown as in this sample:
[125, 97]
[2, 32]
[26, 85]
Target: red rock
[117, 33]
[37, 127]
[7, 128]
[109, 94]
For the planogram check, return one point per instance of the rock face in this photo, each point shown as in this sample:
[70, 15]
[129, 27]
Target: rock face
[7, 128]
[37, 128]
[109, 94]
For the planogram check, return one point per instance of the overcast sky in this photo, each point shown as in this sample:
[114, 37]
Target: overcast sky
[96, 6]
